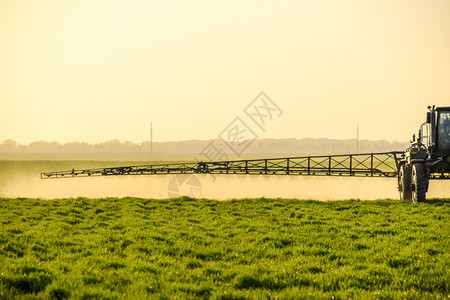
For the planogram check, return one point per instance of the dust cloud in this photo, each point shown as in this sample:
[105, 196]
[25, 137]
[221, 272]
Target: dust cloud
[219, 187]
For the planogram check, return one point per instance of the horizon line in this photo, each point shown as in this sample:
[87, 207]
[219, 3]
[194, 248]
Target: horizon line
[190, 140]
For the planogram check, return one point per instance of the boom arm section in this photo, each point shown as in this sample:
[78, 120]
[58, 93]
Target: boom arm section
[383, 164]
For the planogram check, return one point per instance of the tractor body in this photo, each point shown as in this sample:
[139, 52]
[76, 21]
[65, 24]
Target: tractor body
[428, 157]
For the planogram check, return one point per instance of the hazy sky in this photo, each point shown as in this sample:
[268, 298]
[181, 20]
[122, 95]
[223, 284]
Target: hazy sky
[98, 70]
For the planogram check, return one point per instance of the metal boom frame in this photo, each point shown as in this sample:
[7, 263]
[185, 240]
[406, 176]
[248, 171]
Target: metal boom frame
[383, 164]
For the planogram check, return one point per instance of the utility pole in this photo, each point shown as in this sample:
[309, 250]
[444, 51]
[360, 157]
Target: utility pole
[357, 137]
[151, 138]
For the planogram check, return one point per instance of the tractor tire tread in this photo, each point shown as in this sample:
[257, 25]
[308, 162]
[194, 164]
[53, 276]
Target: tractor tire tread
[421, 182]
[406, 182]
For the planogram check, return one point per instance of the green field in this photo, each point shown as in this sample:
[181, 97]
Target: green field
[239, 249]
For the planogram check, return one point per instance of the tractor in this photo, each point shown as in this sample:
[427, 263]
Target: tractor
[427, 158]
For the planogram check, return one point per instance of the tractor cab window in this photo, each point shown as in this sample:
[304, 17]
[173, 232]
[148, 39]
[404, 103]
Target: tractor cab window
[444, 131]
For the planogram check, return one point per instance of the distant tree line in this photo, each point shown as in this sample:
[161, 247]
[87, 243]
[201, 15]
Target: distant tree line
[291, 146]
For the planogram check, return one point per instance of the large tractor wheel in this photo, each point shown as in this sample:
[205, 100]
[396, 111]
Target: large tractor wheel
[418, 183]
[404, 181]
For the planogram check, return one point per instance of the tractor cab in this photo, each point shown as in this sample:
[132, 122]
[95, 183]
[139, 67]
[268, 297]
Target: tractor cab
[443, 131]
[434, 134]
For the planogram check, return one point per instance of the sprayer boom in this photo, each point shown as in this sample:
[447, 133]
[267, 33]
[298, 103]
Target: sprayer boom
[372, 164]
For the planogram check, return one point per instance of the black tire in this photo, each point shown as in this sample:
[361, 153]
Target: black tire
[418, 183]
[404, 181]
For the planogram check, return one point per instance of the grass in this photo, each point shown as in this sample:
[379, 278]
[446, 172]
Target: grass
[239, 249]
